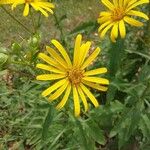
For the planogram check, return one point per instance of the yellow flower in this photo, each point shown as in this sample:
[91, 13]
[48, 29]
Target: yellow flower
[72, 75]
[120, 11]
[38, 5]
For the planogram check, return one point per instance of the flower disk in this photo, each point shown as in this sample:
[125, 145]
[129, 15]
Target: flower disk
[38, 5]
[72, 75]
[120, 11]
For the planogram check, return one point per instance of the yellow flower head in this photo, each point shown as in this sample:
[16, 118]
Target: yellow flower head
[72, 75]
[120, 11]
[38, 5]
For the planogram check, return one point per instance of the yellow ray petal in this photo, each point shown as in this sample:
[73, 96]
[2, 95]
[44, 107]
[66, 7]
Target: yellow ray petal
[91, 58]
[76, 102]
[90, 95]
[48, 4]
[138, 13]
[104, 14]
[56, 56]
[50, 61]
[42, 6]
[114, 32]
[95, 86]
[77, 49]
[6, 1]
[131, 2]
[26, 10]
[120, 2]
[113, 39]
[115, 2]
[95, 71]
[122, 29]
[83, 98]
[50, 76]
[49, 68]
[84, 51]
[104, 25]
[108, 4]
[96, 80]
[133, 22]
[62, 51]
[137, 4]
[102, 34]
[103, 19]
[65, 98]
[58, 92]
[53, 87]
[38, 8]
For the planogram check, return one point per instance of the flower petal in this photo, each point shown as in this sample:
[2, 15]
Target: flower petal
[95, 71]
[114, 32]
[138, 13]
[133, 22]
[50, 61]
[56, 56]
[65, 98]
[104, 25]
[84, 51]
[53, 87]
[91, 58]
[83, 98]
[95, 86]
[122, 29]
[96, 80]
[108, 4]
[102, 34]
[62, 51]
[77, 49]
[37, 8]
[50, 76]
[49, 68]
[26, 10]
[136, 4]
[58, 92]
[76, 102]
[90, 95]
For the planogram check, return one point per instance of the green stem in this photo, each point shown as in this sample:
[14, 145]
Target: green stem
[16, 20]
[39, 21]
[116, 54]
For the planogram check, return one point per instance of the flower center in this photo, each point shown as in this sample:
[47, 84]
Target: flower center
[75, 75]
[118, 14]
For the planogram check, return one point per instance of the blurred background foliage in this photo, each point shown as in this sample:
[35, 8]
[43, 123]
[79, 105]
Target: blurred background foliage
[29, 122]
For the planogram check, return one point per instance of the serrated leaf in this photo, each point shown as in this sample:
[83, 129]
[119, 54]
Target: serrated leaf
[47, 122]
[95, 132]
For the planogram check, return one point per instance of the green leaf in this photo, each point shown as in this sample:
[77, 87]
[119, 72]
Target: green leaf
[116, 106]
[3, 59]
[47, 122]
[145, 126]
[116, 53]
[95, 132]
[82, 135]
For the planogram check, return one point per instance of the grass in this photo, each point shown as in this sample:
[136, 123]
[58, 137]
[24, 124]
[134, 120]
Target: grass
[76, 12]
